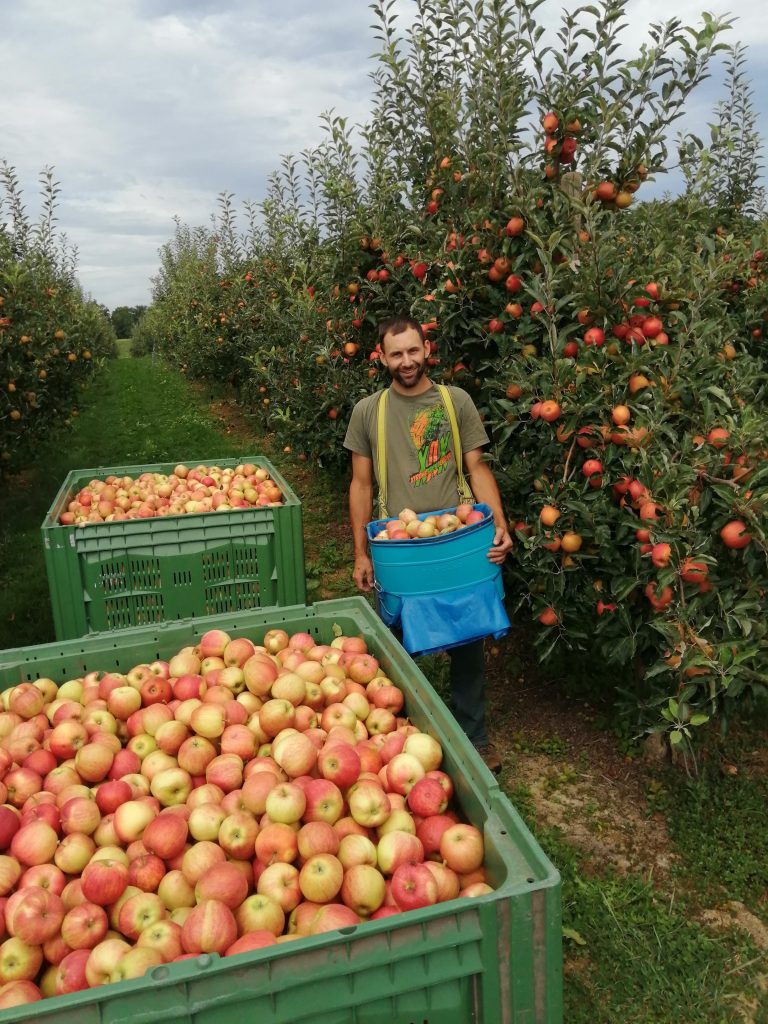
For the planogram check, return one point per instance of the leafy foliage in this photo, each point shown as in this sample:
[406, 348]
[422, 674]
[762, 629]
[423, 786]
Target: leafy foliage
[493, 198]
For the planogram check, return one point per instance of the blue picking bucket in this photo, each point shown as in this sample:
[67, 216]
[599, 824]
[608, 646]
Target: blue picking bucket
[443, 591]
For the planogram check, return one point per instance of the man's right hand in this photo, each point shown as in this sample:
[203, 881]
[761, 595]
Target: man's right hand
[362, 573]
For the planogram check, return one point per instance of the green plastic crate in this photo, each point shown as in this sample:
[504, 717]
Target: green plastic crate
[140, 571]
[495, 959]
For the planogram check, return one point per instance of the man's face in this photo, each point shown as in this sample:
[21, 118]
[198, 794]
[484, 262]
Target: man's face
[405, 356]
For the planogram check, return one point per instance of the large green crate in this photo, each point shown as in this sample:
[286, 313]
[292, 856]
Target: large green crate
[495, 959]
[136, 572]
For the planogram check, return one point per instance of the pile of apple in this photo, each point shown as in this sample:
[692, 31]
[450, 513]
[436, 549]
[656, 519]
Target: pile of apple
[233, 797]
[408, 526]
[184, 492]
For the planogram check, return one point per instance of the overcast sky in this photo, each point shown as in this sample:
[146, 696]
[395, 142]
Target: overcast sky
[150, 108]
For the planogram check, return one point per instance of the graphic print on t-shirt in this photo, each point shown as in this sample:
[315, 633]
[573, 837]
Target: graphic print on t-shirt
[430, 432]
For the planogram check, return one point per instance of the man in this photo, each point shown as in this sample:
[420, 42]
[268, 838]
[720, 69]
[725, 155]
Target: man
[422, 475]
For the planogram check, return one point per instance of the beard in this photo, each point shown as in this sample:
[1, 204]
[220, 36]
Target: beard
[412, 379]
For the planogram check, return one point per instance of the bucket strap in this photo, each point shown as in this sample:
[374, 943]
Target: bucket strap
[465, 491]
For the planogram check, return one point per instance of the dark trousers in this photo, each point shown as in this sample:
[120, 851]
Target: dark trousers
[467, 679]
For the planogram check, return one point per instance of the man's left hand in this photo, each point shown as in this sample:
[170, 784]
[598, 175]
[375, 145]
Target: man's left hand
[502, 545]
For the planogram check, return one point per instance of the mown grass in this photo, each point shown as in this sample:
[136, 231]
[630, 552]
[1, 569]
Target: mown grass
[636, 948]
[135, 413]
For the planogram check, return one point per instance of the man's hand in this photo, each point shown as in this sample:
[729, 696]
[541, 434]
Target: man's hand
[362, 574]
[502, 545]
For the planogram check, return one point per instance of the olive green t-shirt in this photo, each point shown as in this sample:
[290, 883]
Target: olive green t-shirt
[421, 466]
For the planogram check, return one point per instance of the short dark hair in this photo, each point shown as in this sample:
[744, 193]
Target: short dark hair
[398, 324]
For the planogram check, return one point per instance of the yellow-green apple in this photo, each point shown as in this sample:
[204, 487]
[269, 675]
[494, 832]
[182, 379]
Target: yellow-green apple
[292, 687]
[84, 926]
[333, 689]
[34, 915]
[275, 715]
[380, 721]
[19, 961]
[138, 912]
[163, 936]
[286, 803]
[176, 891]
[184, 663]
[403, 772]
[396, 848]
[103, 959]
[368, 804]
[356, 849]
[131, 818]
[399, 820]
[222, 882]
[337, 714]
[260, 912]
[237, 835]
[324, 801]
[208, 720]
[280, 881]
[135, 963]
[183, 710]
[414, 886]
[199, 857]
[476, 889]
[426, 748]
[363, 889]
[98, 719]
[275, 640]
[462, 848]
[358, 703]
[73, 852]
[294, 752]
[210, 927]
[205, 821]
[320, 878]
[123, 701]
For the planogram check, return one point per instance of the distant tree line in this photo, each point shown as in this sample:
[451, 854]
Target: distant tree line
[125, 318]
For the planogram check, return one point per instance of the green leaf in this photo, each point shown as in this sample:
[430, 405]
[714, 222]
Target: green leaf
[574, 936]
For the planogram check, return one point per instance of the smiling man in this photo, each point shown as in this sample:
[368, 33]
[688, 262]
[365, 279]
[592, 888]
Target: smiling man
[422, 474]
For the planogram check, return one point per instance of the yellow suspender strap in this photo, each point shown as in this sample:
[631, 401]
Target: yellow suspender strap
[381, 456]
[465, 492]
